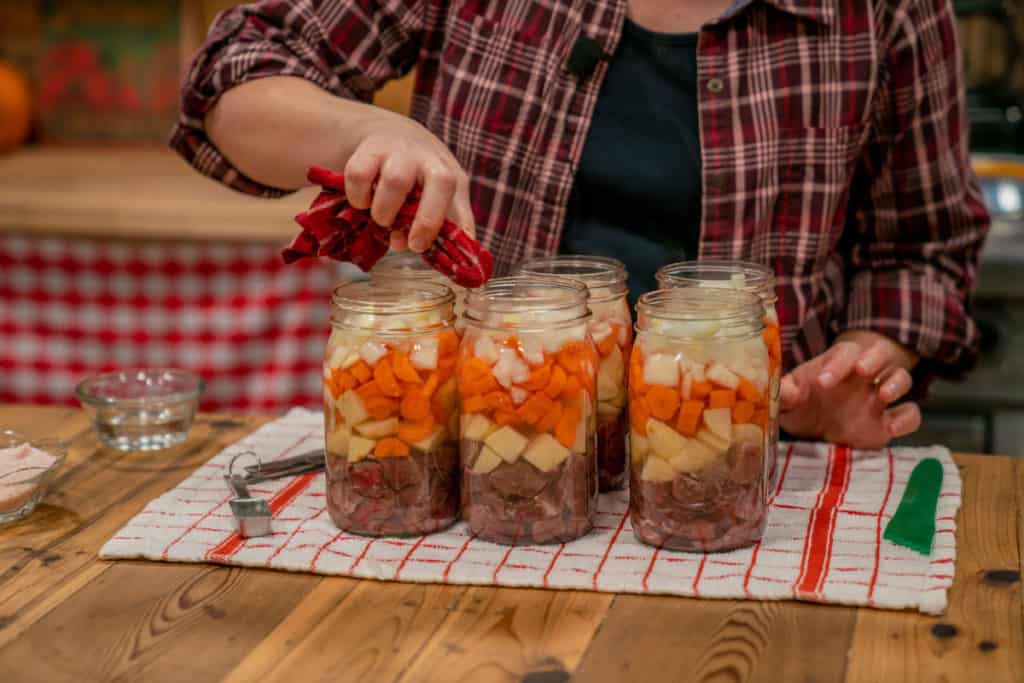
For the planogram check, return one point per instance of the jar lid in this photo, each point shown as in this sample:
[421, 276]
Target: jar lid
[700, 312]
[604, 277]
[526, 299]
[722, 273]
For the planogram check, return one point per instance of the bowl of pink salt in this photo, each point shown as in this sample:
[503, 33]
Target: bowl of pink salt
[27, 467]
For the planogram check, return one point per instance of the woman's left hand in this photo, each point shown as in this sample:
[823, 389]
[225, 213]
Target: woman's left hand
[843, 395]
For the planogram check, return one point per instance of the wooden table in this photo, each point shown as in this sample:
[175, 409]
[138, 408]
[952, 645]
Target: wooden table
[64, 615]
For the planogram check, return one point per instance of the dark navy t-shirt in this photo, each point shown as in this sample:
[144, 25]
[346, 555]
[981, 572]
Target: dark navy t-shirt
[636, 195]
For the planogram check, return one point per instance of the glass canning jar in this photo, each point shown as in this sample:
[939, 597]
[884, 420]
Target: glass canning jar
[390, 409]
[611, 327]
[410, 266]
[527, 381]
[748, 277]
[699, 424]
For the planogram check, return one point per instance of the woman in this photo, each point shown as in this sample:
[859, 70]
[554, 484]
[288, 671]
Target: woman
[826, 138]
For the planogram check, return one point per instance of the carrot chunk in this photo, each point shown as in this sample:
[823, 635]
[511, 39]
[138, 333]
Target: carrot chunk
[638, 414]
[549, 419]
[447, 343]
[663, 402]
[369, 390]
[415, 406]
[701, 389]
[742, 412]
[605, 346]
[572, 389]
[384, 375]
[498, 400]
[722, 398]
[748, 392]
[361, 371]
[411, 432]
[689, 417]
[636, 372]
[760, 418]
[403, 368]
[430, 386]
[556, 383]
[390, 447]
[539, 377]
[505, 417]
[380, 407]
[474, 404]
[565, 430]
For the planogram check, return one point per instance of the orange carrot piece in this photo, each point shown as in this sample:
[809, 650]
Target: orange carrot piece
[556, 383]
[760, 418]
[663, 402]
[571, 357]
[411, 432]
[638, 414]
[447, 343]
[474, 404]
[380, 407]
[415, 406]
[534, 408]
[748, 392]
[701, 389]
[390, 447]
[539, 378]
[565, 430]
[572, 389]
[430, 386]
[505, 417]
[721, 398]
[369, 390]
[403, 368]
[361, 371]
[499, 400]
[549, 419]
[473, 369]
[636, 372]
[742, 412]
[384, 375]
[689, 417]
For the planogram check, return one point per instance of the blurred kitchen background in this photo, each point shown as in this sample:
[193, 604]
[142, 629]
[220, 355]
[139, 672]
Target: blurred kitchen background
[113, 253]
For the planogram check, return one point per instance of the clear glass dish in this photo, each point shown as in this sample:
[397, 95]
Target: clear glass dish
[145, 409]
[22, 488]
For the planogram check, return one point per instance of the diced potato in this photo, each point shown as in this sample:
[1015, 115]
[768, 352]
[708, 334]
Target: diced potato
[424, 354]
[532, 349]
[611, 374]
[661, 368]
[545, 452]
[486, 461]
[507, 443]
[518, 395]
[719, 421]
[352, 409]
[657, 470]
[748, 433]
[510, 369]
[665, 441]
[694, 457]
[639, 447]
[723, 376]
[476, 427]
[372, 352]
[599, 330]
[338, 438]
[431, 442]
[712, 440]
[378, 429]
[359, 448]
[485, 349]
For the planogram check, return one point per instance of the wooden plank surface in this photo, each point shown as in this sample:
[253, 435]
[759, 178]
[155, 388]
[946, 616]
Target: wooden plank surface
[65, 615]
[135, 193]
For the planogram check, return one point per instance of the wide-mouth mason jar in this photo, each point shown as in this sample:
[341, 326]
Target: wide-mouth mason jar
[748, 277]
[391, 409]
[527, 378]
[611, 327]
[700, 435]
[410, 266]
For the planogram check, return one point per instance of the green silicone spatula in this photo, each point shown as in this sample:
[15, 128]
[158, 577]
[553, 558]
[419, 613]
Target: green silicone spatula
[913, 525]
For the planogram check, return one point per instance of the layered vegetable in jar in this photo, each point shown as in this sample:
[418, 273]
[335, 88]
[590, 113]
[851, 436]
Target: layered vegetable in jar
[749, 277]
[611, 327]
[527, 385]
[391, 409]
[700, 434]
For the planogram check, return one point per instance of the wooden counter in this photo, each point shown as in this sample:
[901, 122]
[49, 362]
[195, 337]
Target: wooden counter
[64, 615]
[133, 193]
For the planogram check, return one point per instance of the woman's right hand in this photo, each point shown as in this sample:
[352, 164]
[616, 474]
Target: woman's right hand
[393, 156]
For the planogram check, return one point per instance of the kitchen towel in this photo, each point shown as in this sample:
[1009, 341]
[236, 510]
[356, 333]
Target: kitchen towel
[824, 541]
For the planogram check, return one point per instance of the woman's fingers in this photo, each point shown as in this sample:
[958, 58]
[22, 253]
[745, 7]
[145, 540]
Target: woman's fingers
[399, 242]
[838, 364]
[895, 386]
[360, 173]
[397, 179]
[902, 420]
[791, 394]
[874, 360]
[439, 185]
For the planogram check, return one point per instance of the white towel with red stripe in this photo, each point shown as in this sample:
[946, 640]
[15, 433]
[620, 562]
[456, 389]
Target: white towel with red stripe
[823, 542]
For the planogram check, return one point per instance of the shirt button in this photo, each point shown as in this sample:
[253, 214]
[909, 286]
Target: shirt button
[715, 85]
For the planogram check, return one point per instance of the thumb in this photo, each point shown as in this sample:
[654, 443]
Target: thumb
[792, 392]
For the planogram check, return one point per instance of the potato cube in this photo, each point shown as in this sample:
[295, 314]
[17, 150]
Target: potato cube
[712, 440]
[545, 452]
[611, 375]
[723, 376]
[359, 448]
[476, 427]
[748, 433]
[352, 409]
[486, 461]
[338, 438]
[507, 443]
[665, 441]
[719, 421]
[639, 447]
[694, 457]
[378, 429]
[657, 470]
[661, 368]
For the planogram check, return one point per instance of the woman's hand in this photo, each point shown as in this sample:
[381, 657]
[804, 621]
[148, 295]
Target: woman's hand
[835, 396]
[394, 155]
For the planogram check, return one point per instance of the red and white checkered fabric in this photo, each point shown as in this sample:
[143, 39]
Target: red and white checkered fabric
[253, 327]
[823, 543]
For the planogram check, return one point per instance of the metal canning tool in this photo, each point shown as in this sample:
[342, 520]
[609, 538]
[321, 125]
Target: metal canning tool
[252, 515]
[304, 463]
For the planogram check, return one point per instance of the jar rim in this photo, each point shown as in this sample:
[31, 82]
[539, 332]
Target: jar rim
[693, 304]
[409, 265]
[592, 271]
[757, 277]
[499, 296]
[398, 297]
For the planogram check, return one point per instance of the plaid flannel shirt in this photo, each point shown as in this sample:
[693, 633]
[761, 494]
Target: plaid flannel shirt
[833, 137]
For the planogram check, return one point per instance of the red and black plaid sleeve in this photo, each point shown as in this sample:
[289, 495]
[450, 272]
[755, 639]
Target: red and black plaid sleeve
[347, 47]
[923, 222]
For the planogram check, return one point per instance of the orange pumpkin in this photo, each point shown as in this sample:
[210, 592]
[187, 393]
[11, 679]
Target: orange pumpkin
[15, 107]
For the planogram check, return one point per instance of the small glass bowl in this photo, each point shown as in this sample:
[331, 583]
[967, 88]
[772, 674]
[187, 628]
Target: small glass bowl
[22, 489]
[146, 409]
